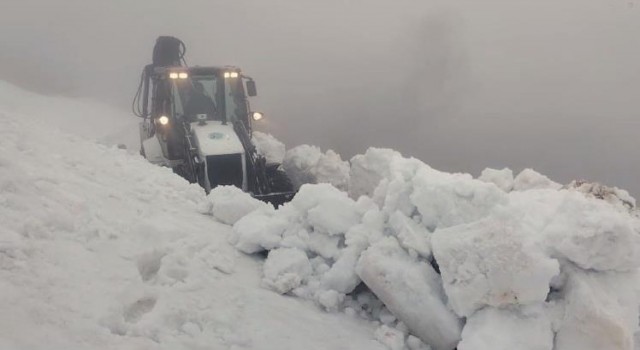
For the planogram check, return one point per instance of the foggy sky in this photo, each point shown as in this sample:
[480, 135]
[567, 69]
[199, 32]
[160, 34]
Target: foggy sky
[463, 85]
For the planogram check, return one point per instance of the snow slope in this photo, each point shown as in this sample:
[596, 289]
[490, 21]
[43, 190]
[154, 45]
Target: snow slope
[101, 250]
[81, 117]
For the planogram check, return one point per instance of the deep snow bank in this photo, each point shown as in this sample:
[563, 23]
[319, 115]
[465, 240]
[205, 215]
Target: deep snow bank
[101, 250]
[524, 263]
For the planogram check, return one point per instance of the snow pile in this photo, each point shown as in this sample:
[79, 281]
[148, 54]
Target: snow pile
[522, 267]
[314, 225]
[228, 204]
[268, 146]
[308, 165]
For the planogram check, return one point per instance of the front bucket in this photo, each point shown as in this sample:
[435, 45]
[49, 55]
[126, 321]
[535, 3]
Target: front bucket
[276, 198]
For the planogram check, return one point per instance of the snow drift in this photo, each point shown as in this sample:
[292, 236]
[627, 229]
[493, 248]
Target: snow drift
[499, 262]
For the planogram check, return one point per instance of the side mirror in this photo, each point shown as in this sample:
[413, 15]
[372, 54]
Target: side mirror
[251, 88]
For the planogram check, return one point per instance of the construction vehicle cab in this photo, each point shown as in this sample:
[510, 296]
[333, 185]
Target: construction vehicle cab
[197, 120]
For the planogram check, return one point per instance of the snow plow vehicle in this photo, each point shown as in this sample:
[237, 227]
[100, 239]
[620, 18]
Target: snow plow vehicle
[197, 121]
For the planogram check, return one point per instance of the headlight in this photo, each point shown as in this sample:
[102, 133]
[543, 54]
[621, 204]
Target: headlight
[178, 75]
[163, 120]
[257, 116]
[231, 74]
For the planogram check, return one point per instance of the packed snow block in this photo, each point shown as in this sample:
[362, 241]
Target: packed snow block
[412, 236]
[529, 179]
[491, 263]
[594, 234]
[268, 146]
[394, 192]
[525, 328]
[391, 337]
[228, 204]
[445, 200]
[342, 276]
[324, 208]
[260, 230]
[308, 165]
[368, 169]
[330, 300]
[411, 290]
[285, 269]
[501, 178]
[600, 312]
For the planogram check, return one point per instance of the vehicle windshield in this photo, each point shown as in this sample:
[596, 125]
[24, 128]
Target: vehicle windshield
[216, 97]
[196, 96]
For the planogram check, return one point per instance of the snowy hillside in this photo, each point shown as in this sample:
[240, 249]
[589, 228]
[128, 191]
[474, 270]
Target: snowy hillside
[101, 250]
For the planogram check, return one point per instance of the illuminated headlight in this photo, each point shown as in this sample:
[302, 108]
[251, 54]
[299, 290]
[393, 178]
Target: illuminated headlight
[163, 120]
[173, 75]
[183, 75]
[231, 74]
[257, 116]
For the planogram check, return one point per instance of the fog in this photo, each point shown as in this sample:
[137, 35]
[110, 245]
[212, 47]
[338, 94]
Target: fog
[462, 85]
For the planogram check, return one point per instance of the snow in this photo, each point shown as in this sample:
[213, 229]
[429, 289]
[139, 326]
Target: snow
[269, 147]
[529, 179]
[594, 235]
[508, 329]
[391, 337]
[228, 204]
[308, 165]
[82, 117]
[491, 263]
[597, 313]
[446, 200]
[285, 269]
[368, 169]
[258, 231]
[501, 178]
[101, 250]
[315, 221]
[613, 195]
[412, 292]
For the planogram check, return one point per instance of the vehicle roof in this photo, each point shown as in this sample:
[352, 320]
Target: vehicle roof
[200, 70]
